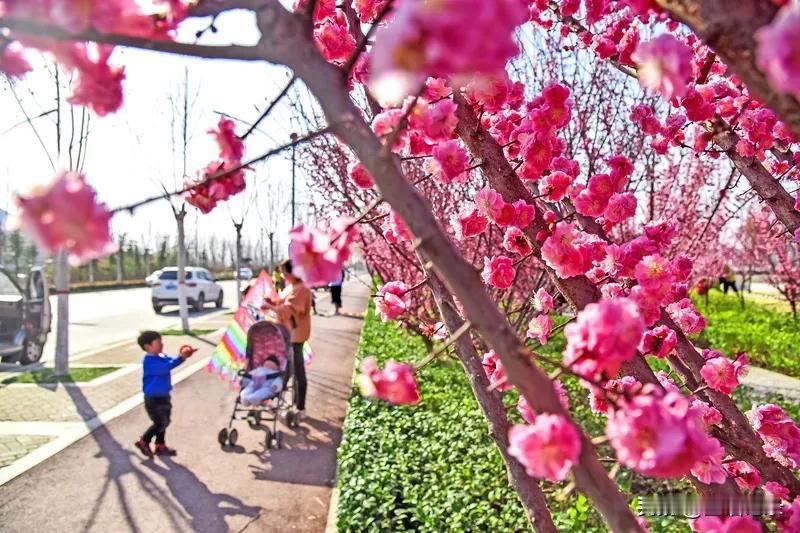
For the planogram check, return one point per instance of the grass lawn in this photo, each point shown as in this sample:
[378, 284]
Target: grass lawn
[195, 332]
[433, 467]
[770, 337]
[76, 375]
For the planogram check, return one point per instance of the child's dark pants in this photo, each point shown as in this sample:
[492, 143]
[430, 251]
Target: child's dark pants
[159, 408]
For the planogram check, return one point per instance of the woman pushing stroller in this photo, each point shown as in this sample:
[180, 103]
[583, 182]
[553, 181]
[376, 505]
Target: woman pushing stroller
[293, 310]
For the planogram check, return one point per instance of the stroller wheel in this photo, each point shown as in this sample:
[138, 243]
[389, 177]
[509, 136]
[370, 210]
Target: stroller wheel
[291, 419]
[233, 436]
[222, 436]
[268, 439]
[279, 439]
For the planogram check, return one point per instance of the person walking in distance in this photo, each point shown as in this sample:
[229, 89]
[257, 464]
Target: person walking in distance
[293, 309]
[336, 292]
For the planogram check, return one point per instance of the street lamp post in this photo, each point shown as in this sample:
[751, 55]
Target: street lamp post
[293, 136]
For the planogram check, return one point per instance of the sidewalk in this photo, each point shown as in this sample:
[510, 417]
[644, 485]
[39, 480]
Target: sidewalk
[100, 483]
[35, 415]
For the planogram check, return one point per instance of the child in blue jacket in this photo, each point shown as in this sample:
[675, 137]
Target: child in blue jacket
[156, 385]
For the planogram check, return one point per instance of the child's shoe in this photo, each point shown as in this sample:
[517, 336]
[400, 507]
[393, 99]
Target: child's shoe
[144, 447]
[161, 449]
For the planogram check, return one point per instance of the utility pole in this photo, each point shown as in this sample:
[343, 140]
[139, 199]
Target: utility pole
[293, 136]
[238, 226]
[272, 250]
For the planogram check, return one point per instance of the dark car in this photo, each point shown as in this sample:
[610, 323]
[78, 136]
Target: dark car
[24, 317]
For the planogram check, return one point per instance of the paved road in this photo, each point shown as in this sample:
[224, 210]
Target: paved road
[101, 483]
[105, 317]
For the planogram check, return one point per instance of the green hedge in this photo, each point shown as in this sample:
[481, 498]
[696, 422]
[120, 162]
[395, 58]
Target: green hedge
[433, 467]
[771, 338]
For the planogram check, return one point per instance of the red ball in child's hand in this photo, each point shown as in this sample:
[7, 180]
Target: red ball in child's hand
[187, 350]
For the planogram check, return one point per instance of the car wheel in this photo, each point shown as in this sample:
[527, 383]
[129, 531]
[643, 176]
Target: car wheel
[200, 302]
[9, 358]
[31, 353]
[218, 302]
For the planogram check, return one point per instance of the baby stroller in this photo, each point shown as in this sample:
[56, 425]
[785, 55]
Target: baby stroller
[266, 341]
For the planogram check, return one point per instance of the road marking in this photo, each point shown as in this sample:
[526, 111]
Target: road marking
[73, 433]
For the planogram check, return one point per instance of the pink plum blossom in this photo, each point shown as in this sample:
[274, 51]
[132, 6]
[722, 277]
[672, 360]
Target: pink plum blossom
[515, 241]
[731, 524]
[231, 148]
[555, 186]
[614, 390]
[659, 341]
[490, 203]
[361, 177]
[394, 384]
[392, 300]
[495, 370]
[468, 223]
[312, 254]
[621, 207]
[686, 315]
[334, 40]
[664, 66]
[780, 433]
[721, 374]
[744, 474]
[452, 160]
[542, 300]
[539, 328]
[604, 336]
[710, 415]
[367, 10]
[523, 213]
[13, 62]
[709, 468]
[547, 448]
[776, 51]
[777, 490]
[97, 84]
[562, 251]
[442, 39]
[658, 435]
[438, 121]
[65, 215]
[499, 272]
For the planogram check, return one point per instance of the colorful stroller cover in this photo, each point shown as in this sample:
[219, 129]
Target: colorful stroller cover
[230, 356]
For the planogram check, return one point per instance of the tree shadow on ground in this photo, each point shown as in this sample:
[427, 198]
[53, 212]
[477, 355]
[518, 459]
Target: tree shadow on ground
[207, 510]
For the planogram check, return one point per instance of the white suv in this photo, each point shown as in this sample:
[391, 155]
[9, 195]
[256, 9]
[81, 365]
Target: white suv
[200, 288]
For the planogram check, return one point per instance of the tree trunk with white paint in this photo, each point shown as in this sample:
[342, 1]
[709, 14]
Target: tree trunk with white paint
[180, 216]
[62, 324]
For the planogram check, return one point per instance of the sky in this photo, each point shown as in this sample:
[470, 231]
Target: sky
[130, 153]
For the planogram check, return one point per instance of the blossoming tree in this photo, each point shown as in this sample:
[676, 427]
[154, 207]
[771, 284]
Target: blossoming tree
[461, 152]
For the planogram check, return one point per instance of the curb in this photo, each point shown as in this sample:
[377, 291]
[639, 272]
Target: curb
[96, 382]
[82, 429]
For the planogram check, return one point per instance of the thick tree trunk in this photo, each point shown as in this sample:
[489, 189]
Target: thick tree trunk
[729, 27]
[62, 324]
[764, 184]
